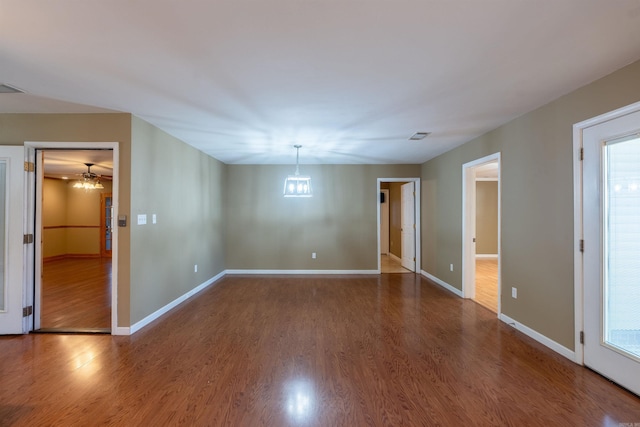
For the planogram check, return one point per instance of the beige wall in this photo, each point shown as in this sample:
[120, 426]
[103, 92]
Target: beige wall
[267, 231]
[487, 217]
[66, 214]
[537, 204]
[15, 129]
[186, 189]
[54, 203]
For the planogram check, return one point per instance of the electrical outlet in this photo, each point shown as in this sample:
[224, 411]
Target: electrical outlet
[514, 292]
[313, 255]
[195, 268]
[450, 267]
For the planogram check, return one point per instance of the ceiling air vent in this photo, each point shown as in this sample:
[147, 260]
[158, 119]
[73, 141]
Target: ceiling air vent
[419, 135]
[4, 88]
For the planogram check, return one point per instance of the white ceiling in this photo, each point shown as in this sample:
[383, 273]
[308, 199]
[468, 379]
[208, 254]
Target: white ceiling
[350, 80]
[72, 163]
[487, 171]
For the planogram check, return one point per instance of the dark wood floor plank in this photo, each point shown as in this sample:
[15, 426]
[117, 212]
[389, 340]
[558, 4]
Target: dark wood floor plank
[386, 350]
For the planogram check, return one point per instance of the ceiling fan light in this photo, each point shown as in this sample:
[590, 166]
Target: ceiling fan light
[89, 181]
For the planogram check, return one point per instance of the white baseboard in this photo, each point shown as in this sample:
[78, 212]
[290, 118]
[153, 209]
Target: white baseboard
[266, 272]
[156, 314]
[121, 330]
[558, 348]
[445, 285]
[487, 256]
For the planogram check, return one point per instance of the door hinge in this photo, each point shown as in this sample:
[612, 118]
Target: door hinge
[27, 238]
[581, 245]
[29, 167]
[581, 337]
[27, 311]
[582, 154]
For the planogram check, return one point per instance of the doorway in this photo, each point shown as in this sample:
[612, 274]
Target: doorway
[82, 253]
[481, 231]
[607, 187]
[398, 225]
[74, 286]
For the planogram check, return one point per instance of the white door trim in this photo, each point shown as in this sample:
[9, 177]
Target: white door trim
[417, 216]
[30, 147]
[578, 267]
[469, 225]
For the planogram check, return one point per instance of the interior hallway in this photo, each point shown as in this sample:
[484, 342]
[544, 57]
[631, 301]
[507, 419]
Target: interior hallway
[389, 264]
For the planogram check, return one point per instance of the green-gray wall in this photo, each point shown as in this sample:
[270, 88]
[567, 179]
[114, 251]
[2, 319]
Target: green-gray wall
[186, 190]
[15, 129]
[267, 231]
[537, 204]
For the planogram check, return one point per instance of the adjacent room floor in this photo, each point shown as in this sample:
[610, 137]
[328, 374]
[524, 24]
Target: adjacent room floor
[76, 294]
[390, 349]
[390, 264]
[487, 283]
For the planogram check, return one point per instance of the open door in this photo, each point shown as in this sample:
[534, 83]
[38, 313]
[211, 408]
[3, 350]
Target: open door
[12, 297]
[106, 225]
[408, 226]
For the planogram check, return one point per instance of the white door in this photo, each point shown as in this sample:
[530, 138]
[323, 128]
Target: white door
[384, 222]
[11, 239]
[408, 226]
[611, 232]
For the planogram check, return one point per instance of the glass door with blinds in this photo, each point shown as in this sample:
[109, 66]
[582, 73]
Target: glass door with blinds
[621, 245]
[611, 221]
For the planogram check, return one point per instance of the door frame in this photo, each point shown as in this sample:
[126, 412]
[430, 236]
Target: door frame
[469, 226]
[33, 262]
[578, 222]
[416, 203]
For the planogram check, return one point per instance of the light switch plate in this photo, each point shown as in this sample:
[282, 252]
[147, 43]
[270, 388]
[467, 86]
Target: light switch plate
[142, 219]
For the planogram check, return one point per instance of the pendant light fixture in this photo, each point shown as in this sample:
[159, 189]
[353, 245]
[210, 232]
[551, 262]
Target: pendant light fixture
[297, 185]
[89, 181]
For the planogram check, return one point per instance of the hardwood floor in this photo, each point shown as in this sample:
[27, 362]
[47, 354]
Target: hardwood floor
[379, 350]
[487, 283]
[390, 264]
[76, 294]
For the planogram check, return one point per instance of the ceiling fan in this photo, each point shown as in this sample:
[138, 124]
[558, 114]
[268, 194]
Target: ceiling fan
[90, 180]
